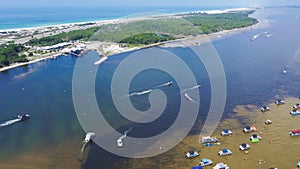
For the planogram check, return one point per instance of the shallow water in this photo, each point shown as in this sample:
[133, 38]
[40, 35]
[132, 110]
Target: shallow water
[53, 136]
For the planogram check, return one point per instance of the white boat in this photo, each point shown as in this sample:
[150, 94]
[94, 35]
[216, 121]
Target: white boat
[295, 133]
[206, 162]
[249, 129]
[294, 113]
[221, 166]
[244, 147]
[169, 83]
[279, 102]
[89, 136]
[208, 139]
[254, 37]
[296, 106]
[268, 121]
[226, 132]
[191, 154]
[255, 136]
[224, 152]
[264, 109]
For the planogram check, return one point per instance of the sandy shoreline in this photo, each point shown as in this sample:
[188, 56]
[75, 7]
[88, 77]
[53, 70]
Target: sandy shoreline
[109, 49]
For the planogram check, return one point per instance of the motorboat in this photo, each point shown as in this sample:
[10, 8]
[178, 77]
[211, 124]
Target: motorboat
[208, 139]
[255, 136]
[294, 113]
[249, 129]
[206, 162]
[296, 106]
[226, 132]
[191, 154]
[224, 152]
[244, 147]
[254, 37]
[298, 164]
[268, 121]
[221, 166]
[279, 102]
[265, 109]
[169, 83]
[89, 136]
[295, 133]
[23, 117]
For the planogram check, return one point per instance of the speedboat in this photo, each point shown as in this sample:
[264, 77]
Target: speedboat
[279, 102]
[206, 162]
[169, 83]
[221, 166]
[244, 146]
[249, 129]
[120, 143]
[264, 109]
[254, 37]
[296, 106]
[89, 136]
[23, 117]
[226, 132]
[294, 113]
[295, 133]
[191, 154]
[209, 139]
[268, 121]
[224, 152]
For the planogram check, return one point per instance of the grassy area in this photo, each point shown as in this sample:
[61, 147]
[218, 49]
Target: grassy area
[146, 38]
[195, 24]
[64, 37]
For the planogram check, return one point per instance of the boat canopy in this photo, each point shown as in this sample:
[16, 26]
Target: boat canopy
[295, 131]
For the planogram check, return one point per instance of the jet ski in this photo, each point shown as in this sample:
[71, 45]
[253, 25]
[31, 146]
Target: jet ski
[23, 117]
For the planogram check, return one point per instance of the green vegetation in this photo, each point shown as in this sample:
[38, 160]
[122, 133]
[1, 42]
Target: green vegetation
[188, 24]
[64, 37]
[218, 22]
[11, 54]
[146, 38]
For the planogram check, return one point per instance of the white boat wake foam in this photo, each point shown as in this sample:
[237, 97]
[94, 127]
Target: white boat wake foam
[189, 98]
[192, 88]
[101, 60]
[120, 140]
[10, 122]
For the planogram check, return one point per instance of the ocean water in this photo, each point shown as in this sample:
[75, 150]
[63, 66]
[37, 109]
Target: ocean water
[253, 71]
[32, 17]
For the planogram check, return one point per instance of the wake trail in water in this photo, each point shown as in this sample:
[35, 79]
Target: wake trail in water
[192, 88]
[189, 98]
[10, 122]
[120, 140]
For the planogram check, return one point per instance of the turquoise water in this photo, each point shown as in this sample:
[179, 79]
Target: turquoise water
[32, 17]
[44, 90]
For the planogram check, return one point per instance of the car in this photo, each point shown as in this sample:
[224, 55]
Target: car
[244, 147]
[224, 152]
[206, 162]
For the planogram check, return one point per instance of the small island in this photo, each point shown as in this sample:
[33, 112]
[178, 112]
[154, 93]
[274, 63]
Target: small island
[111, 37]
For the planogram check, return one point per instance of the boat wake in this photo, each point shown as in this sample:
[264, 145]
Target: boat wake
[140, 93]
[189, 98]
[192, 88]
[120, 140]
[16, 120]
[101, 60]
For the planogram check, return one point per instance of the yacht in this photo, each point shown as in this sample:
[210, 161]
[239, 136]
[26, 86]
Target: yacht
[224, 152]
[265, 109]
[191, 154]
[244, 146]
[295, 133]
[279, 102]
[23, 117]
[206, 162]
[221, 166]
[89, 136]
[226, 132]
